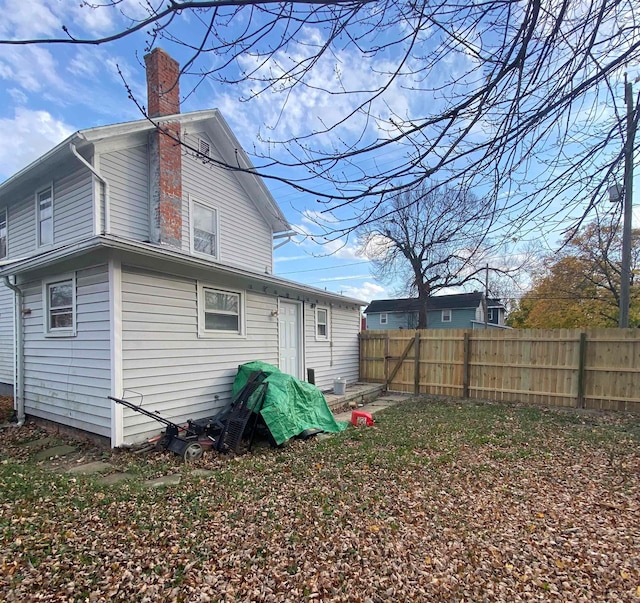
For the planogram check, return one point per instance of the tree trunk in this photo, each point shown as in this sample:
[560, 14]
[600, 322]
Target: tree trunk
[423, 299]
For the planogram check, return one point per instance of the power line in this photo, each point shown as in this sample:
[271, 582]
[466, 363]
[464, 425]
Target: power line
[326, 268]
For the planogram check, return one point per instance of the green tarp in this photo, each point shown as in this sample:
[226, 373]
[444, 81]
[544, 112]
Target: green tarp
[290, 405]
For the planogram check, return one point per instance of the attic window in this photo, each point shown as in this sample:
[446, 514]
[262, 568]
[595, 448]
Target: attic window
[204, 147]
[3, 234]
[204, 229]
[44, 210]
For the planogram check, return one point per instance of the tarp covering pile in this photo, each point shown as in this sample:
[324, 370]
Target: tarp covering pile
[290, 406]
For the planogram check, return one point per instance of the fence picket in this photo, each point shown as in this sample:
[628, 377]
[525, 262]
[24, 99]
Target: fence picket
[592, 368]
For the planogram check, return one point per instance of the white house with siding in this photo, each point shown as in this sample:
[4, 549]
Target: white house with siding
[131, 262]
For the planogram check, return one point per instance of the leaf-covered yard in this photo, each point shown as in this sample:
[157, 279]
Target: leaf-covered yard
[440, 501]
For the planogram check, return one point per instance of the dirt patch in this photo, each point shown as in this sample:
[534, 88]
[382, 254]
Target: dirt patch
[6, 408]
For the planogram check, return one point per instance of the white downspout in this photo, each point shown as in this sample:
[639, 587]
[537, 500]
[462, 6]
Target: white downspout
[107, 205]
[19, 386]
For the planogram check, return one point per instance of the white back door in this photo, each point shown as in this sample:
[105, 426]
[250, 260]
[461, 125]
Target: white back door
[290, 335]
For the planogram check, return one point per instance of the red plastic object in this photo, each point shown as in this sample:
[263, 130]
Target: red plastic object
[361, 418]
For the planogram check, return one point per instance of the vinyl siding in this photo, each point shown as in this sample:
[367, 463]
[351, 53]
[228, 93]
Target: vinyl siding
[338, 357]
[395, 320]
[127, 172]
[72, 213]
[67, 379]
[73, 206]
[460, 319]
[245, 237]
[178, 373]
[6, 334]
[21, 227]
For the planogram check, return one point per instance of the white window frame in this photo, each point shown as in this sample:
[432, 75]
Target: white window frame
[4, 218]
[50, 331]
[327, 323]
[383, 318]
[224, 334]
[492, 314]
[192, 203]
[39, 219]
[446, 315]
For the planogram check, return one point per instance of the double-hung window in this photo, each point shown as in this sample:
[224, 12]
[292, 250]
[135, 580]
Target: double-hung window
[383, 318]
[3, 233]
[204, 229]
[44, 211]
[322, 323]
[60, 306]
[446, 316]
[220, 311]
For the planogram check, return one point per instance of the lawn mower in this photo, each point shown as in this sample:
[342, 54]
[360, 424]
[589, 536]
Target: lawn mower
[223, 430]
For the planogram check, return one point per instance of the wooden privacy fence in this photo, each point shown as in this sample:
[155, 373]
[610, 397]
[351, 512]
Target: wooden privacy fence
[592, 368]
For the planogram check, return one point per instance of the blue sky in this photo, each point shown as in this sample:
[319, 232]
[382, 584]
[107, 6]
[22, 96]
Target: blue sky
[51, 91]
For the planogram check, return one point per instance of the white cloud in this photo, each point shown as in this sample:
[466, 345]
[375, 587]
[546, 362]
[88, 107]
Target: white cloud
[32, 68]
[31, 19]
[351, 277]
[36, 131]
[44, 18]
[339, 248]
[377, 247]
[319, 101]
[366, 292]
[93, 21]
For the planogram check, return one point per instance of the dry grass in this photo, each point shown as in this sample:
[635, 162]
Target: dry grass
[440, 501]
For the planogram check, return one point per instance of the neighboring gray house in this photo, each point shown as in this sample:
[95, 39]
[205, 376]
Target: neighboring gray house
[461, 311]
[130, 262]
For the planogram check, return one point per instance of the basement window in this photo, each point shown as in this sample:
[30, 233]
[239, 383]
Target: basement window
[60, 306]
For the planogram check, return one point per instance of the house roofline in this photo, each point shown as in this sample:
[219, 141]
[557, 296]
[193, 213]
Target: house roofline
[147, 249]
[277, 219]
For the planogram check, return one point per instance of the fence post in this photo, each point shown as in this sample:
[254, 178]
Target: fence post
[386, 361]
[466, 349]
[582, 358]
[416, 368]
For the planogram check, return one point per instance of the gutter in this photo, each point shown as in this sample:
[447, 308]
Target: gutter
[105, 184]
[19, 385]
[163, 253]
[287, 236]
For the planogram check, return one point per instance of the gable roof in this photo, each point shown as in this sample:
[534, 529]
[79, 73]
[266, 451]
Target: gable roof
[494, 302]
[437, 302]
[211, 119]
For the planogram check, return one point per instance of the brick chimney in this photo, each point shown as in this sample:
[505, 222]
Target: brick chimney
[163, 91]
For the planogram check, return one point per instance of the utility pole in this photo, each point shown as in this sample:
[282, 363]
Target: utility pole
[625, 268]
